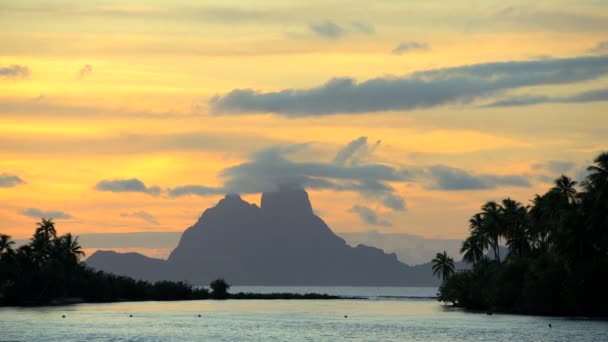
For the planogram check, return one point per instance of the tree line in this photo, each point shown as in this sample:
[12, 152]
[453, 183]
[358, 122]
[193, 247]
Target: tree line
[48, 270]
[557, 252]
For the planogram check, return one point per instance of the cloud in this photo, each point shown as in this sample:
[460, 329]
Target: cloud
[37, 213]
[127, 185]
[555, 166]
[409, 46]
[452, 179]
[8, 180]
[354, 151]
[142, 215]
[600, 47]
[394, 202]
[268, 169]
[14, 71]
[423, 89]
[327, 29]
[363, 27]
[85, 71]
[597, 95]
[369, 216]
[198, 190]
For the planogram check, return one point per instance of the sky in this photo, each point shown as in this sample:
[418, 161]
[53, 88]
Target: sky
[396, 116]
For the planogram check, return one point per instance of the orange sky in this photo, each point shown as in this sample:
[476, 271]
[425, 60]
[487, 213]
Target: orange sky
[120, 90]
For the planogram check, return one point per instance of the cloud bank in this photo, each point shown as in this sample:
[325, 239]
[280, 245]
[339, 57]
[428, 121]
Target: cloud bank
[37, 213]
[327, 29]
[14, 71]
[352, 169]
[127, 185]
[404, 47]
[423, 89]
[369, 216]
[142, 215]
[452, 179]
[588, 96]
[9, 181]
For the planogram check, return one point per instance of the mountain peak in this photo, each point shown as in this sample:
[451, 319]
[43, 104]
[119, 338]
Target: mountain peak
[287, 201]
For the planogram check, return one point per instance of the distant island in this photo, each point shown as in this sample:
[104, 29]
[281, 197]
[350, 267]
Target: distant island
[557, 261]
[47, 271]
[280, 243]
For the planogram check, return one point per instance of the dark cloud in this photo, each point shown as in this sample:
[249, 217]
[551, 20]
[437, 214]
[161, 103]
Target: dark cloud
[142, 215]
[409, 46]
[452, 179]
[363, 27]
[600, 47]
[85, 71]
[354, 151]
[198, 190]
[394, 202]
[270, 168]
[127, 185]
[14, 71]
[369, 216]
[423, 89]
[528, 100]
[327, 29]
[555, 166]
[8, 180]
[37, 213]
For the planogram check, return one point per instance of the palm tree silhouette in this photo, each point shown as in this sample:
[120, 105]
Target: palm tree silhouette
[514, 219]
[598, 176]
[492, 226]
[5, 244]
[443, 265]
[42, 240]
[566, 186]
[68, 247]
[474, 247]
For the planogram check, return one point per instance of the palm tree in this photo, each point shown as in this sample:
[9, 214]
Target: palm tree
[514, 218]
[492, 226]
[443, 265]
[46, 228]
[566, 186]
[598, 175]
[42, 240]
[68, 246]
[474, 247]
[5, 244]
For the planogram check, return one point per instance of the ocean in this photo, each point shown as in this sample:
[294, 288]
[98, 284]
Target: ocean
[377, 314]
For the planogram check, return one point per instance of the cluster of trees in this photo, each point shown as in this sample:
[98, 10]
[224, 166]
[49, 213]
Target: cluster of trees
[48, 269]
[557, 259]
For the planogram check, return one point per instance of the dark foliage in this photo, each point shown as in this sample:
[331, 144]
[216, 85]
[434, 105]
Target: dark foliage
[219, 288]
[48, 270]
[558, 252]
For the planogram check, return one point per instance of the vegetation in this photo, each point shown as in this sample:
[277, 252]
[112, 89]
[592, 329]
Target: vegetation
[219, 289]
[48, 271]
[557, 261]
[443, 265]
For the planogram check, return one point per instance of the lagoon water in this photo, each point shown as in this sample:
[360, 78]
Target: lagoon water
[384, 314]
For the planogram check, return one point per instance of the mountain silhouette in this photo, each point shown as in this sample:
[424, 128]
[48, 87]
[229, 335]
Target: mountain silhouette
[282, 242]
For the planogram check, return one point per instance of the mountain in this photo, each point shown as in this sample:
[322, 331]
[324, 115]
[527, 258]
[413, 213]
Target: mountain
[282, 242]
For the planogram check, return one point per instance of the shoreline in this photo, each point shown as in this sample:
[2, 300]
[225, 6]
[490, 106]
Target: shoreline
[59, 302]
